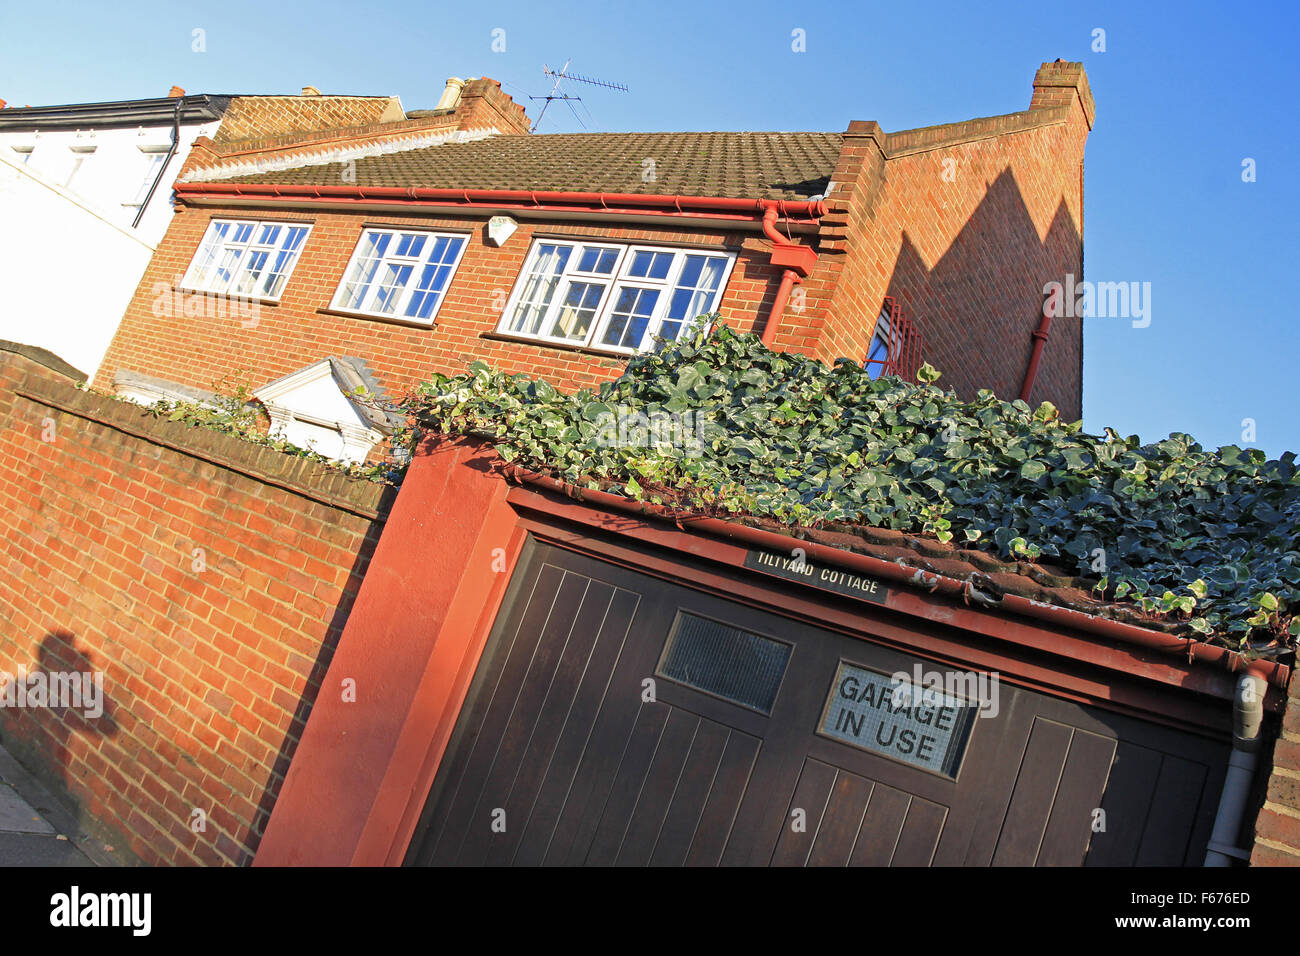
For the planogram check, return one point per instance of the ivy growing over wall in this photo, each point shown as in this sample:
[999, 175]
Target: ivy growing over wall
[719, 423]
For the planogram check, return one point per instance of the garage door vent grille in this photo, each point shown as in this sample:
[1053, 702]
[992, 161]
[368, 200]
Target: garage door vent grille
[725, 661]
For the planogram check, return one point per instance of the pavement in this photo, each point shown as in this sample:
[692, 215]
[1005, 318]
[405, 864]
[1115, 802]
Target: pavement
[39, 828]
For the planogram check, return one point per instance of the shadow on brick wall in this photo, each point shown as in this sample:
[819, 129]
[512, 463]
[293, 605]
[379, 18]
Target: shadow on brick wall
[74, 705]
[976, 306]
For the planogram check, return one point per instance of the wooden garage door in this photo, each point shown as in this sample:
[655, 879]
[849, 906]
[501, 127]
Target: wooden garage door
[619, 719]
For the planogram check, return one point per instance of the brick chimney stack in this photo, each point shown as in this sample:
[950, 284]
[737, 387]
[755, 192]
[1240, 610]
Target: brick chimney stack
[176, 92]
[483, 104]
[1063, 84]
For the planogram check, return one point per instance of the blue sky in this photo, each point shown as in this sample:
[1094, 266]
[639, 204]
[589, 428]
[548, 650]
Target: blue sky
[1185, 92]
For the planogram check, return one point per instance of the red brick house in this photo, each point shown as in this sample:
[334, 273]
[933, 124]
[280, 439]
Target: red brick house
[421, 245]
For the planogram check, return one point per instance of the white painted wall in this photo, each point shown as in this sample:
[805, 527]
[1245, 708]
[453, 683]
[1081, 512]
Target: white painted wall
[67, 273]
[115, 164]
[69, 259]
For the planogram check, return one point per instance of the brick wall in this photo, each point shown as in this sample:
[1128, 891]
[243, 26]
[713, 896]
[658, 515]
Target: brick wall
[249, 116]
[963, 225]
[270, 127]
[296, 331]
[1277, 827]
[483, 104]
[206, 578]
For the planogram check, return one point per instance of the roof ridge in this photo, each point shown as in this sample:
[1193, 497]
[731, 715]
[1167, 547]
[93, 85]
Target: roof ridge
[336, 154]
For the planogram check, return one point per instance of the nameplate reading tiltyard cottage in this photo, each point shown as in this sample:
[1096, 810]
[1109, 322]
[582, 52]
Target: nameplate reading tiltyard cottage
[798, 568]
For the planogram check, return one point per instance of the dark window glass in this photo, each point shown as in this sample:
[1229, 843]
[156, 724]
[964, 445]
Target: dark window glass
[725, 661]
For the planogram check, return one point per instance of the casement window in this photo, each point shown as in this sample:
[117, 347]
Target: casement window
[878, 354]
[399, 273]
[896, 346]
[155, 157]
[246, 258]
[611, 297]
[79, 156]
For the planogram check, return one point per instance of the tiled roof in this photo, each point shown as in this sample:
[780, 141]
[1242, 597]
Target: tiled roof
[738, 165]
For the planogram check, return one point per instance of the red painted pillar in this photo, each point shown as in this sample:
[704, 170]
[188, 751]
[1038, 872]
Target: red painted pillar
[359, 776]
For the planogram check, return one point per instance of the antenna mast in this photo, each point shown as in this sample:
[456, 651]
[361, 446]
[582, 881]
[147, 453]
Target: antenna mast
[555, 94]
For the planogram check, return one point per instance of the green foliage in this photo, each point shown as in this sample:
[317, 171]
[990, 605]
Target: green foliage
[1168, 525]
[232, 413]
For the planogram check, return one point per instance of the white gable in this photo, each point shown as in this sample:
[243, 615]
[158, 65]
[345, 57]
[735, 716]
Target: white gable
[309, 409]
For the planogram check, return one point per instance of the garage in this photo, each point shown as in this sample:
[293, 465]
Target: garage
[633, 706]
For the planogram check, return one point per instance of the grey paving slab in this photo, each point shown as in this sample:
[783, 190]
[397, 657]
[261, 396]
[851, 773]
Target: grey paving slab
[62, 840]
[32, 849]
[19, 816]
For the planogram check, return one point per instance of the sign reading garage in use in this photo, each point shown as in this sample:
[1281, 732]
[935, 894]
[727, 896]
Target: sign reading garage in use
[921, 726]
[798, 568]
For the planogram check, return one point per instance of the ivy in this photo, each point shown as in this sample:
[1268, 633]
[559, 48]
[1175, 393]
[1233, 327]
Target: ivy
[232, 413]
[1204, 538]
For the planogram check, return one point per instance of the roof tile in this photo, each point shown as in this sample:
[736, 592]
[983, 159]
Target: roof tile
[738, 165]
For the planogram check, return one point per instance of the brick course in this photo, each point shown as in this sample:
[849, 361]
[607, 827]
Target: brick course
[1277, 827]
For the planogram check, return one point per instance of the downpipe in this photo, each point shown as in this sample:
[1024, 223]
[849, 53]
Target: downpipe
[1247, 715]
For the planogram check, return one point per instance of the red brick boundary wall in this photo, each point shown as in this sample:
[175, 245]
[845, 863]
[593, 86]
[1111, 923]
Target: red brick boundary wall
[1277, 828]
[208, 579]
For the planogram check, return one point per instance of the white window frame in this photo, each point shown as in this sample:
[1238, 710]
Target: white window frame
[614, 280]
[189, 284]
[417, 264]
[153, 170]
[79, 156]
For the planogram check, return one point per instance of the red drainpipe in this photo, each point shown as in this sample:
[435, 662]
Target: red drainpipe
[798, 261]
[1040, 339]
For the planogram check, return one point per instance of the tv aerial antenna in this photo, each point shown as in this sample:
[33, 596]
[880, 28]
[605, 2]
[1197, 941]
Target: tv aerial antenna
[560, 76]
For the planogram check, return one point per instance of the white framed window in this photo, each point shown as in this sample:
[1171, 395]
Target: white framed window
[246, 258]
[154, 159]
[79, 156]
[25, 152]
[400, 273]
[612, 297]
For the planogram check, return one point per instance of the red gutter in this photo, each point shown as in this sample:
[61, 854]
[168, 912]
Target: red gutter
[1274, 673]
[701, 206]
[1040, 340]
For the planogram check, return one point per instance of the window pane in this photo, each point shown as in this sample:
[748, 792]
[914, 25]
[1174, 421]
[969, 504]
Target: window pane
[632, 311]
[410, 245]
[433, 277]
[578, 309]
[651, 265]
[694, 295]
[356, 285]
[542, 280]
[390, 287]
[598, 260]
